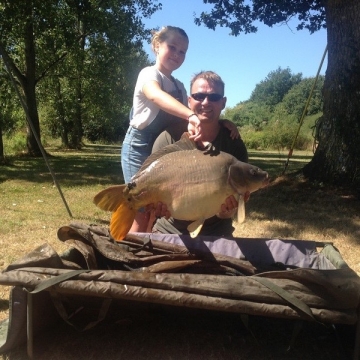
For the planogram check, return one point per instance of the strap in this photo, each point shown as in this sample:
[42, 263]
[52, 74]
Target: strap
[56, 280]
[303, 308]
[146, 244]
[48, 283]
[296, 331]
[59, 305]
[178, 90]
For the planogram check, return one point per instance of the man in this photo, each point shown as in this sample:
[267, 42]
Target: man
[207, 100]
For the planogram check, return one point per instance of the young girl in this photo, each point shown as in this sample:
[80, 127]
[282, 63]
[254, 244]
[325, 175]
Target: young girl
[159, 102]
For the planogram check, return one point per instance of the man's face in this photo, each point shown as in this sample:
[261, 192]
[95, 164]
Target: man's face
[204, 108]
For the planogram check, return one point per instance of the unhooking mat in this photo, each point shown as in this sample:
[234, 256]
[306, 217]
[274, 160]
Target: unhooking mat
[267, 277]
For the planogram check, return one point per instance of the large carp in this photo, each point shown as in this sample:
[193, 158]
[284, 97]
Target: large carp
[192, 183]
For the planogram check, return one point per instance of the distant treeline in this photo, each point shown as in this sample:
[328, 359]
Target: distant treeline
[270, 118]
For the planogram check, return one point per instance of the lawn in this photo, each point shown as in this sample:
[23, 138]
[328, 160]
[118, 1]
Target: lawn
[32, 210]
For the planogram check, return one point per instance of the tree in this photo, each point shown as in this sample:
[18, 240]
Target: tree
[294, 101]
[337, 156]
[254, 114]
[272, 90]
[99, 72]
[8, 104]
[36, 36]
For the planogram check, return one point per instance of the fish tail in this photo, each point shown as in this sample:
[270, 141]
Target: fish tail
[110, 198]
[121, 221]
[114, 199]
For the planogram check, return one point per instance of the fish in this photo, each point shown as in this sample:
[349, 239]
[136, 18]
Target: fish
[193, 184]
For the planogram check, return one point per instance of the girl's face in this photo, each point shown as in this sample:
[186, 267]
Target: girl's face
[171, 53]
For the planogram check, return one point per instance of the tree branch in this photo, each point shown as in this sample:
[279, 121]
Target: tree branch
[43, 74]
[10, 64]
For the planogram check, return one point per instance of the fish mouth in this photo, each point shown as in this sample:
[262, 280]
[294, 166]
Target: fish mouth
[266, 181]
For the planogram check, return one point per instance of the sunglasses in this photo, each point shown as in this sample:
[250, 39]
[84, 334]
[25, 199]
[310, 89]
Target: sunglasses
[210, 97]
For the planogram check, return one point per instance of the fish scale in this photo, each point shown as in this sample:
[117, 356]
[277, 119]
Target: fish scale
[192, 183]
[196, 178]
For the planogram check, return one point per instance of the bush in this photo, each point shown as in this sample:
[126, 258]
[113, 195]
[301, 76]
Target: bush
[280, 135]
[15, 143]
[252, 138]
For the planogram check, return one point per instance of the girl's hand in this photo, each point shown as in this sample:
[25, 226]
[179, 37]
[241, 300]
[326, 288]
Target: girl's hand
[234, 132]
[194, 128]
[191, 129]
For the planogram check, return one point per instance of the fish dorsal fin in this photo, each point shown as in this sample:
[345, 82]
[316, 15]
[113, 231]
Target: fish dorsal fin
[195, 227]
[241, 210]
[185, 143]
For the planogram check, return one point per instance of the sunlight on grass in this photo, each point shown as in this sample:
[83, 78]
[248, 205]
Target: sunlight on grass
[32, 209]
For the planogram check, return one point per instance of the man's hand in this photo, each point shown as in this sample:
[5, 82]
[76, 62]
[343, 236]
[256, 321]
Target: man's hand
[158, 210]
[229, 209]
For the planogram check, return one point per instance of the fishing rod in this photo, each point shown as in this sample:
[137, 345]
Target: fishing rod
[304, 112]
[31, 125]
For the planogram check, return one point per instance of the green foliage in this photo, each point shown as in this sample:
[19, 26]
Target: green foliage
[249, 113]
[280, 135]
[9, 115]
[253, 139]
[16, 143]
[276, 85]
[270, 119]
[83, 60]
[297, 97]
[239, 16]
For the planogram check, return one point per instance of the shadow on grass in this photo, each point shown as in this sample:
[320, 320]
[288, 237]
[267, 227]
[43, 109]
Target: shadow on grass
[302, 205]
[292, 200]
[101, 164]
[4, 304]
[276, 164]
[93, 164]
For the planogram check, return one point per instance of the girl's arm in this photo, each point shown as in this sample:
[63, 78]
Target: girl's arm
[169, 104]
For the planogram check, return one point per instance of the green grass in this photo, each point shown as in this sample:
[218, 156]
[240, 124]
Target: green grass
[32, 211]
[93, 164]
[274, 162]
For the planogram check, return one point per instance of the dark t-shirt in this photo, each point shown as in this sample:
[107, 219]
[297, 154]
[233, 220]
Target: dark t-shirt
[214, 225]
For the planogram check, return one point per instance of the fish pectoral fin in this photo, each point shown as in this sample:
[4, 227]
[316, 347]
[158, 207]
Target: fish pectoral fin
[241, 210]
[110, 198]
[195, 227]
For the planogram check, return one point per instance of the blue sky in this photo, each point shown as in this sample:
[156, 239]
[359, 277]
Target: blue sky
[241, 61]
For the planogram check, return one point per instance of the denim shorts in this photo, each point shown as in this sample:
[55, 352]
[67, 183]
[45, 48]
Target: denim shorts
[136, 147]
[137, 144]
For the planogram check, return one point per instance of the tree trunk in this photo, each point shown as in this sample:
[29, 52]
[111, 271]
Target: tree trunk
[31, 143]
[2, 157]
[28, 85]
[337, 157]
[77, 131]
[60, 112]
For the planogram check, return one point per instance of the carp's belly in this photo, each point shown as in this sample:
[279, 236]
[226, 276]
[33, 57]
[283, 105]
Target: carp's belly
[195, 202]
[192, 185]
